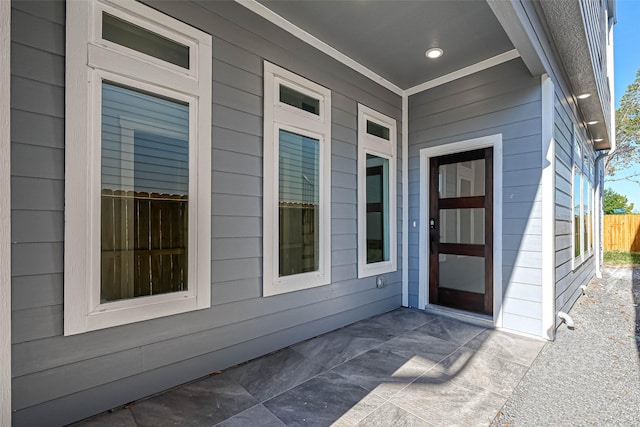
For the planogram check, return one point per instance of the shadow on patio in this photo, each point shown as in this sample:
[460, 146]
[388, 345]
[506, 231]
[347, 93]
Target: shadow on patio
[404, 367]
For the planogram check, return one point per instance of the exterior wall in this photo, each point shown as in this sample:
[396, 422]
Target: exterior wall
[597, 26]
[503, 99]
[566, 114]
[569, 276]
[57, 379]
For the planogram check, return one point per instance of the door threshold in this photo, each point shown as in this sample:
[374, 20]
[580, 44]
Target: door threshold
[476, 318]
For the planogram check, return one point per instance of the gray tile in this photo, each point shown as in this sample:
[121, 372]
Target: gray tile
[453, 330]
[204, 402]
[258, 416]
[446, 401]
[119, 418]
[402, 319]
[481, 369]
[320, 401]
[360, 410]
[339, 346]
[420, 347]
[370, 329]
[276, 373]
[381, 371]
[390, 415]
[512, 347]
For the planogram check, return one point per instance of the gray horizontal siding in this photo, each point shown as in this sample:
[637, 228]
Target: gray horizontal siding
[570, 274]
[61, 379]
[501, 100]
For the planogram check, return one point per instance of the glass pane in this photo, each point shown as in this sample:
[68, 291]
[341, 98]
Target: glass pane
[377, 130]
[377, 209]
[126, 34]
[299, 199]
[145, 182]
[585, 211]
[299, 100]
[464, 273]
[462, 179]
[462, 226]
[576, 213]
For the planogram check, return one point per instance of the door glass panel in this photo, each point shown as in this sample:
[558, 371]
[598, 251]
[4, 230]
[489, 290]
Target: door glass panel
[299, 198]
[463, 273]
[126, 34]
[145, 192]
[377, 209]
[464, 179]
[462, 226]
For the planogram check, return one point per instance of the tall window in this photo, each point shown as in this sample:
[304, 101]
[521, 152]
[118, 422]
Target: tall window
[297, 182]
[577, 202]
[376, 193]
[138, 166]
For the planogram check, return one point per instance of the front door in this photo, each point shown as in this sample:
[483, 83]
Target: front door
[461, 231]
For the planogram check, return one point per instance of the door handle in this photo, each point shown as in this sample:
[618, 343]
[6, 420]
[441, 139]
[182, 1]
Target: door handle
[433, 236]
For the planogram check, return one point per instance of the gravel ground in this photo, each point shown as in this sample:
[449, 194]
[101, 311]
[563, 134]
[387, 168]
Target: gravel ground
[589, 375]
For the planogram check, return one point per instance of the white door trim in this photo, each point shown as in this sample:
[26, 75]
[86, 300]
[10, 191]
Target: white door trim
[426, 154]
[5, 216]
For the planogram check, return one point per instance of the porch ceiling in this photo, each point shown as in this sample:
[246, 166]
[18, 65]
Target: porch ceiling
[391, 37]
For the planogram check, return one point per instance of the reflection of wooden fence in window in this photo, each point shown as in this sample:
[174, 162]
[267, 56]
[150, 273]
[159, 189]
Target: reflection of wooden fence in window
[622, 233]
[144, 244]
[299, 240]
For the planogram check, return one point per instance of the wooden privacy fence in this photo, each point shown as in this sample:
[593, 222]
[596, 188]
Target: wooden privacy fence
[622, 233]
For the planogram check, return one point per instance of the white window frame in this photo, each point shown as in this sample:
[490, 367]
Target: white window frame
[90, 60]
[277, 116]
[386, 149]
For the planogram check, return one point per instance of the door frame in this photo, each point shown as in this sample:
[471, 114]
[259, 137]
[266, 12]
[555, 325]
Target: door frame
[426, 154]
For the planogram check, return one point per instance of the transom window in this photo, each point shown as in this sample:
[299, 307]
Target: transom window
[377, 246]
[138, 166]
[297, 182]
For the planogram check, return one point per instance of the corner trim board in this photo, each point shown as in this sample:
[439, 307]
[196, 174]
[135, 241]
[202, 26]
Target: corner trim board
[5, 215]
[547, 188]
[405, 200]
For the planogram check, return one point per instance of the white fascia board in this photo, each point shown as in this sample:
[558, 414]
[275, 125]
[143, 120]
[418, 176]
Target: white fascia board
[466, 71]
[278, 20]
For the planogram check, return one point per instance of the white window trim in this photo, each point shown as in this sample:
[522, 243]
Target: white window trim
[380, 147]
[89, 59]
[278, 115]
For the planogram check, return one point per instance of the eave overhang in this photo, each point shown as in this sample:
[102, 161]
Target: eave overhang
[566, 28]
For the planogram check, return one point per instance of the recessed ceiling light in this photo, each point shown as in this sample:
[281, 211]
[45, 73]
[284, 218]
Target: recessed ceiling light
[434, 52]
[592, 122]
[584, 96]
[598, 140]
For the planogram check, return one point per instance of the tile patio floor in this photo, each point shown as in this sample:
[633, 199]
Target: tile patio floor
[405, 367]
